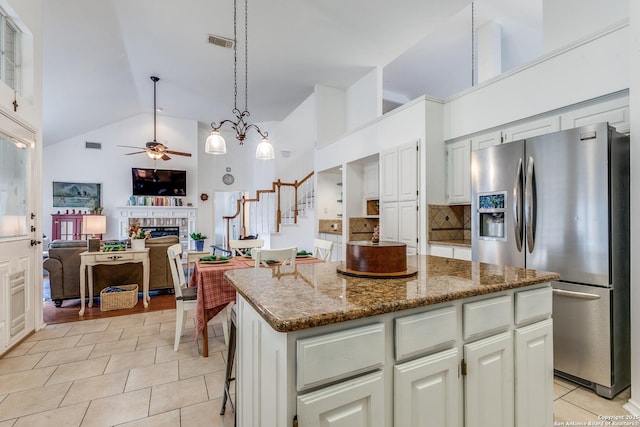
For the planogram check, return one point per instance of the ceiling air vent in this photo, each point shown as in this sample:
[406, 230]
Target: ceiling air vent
[221, 41]
[94, 145]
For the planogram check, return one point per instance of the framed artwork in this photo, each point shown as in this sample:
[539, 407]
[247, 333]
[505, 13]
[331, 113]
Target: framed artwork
[76, 195]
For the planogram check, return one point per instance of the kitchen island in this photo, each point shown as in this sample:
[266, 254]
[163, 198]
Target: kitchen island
[460, 342]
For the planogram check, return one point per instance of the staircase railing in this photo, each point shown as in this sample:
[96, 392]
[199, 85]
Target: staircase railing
[286, 199]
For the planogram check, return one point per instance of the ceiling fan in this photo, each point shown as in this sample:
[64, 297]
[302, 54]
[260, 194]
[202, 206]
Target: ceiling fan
[155, 149]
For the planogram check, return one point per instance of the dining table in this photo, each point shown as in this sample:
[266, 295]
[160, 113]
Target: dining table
[215, 292]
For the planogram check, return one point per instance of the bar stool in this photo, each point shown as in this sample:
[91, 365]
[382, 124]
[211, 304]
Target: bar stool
[231, 352]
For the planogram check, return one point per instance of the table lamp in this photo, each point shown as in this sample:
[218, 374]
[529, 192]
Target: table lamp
[94, 224]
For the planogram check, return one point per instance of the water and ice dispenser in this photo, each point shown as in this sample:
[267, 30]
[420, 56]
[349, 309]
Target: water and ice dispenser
[491, 211]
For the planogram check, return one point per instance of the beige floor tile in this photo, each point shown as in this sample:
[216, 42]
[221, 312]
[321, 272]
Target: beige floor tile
[588, 400]
[130, 360]
[48, 333]
[140, 331]
[217, 344]
[10, 383]
[559, 391]
[166, 419]
[194, 366]
[564, 411]
[185, 350]
[54, 344]
[115, 347]
[79, 370]
[8, 423]
[125, 322]
[206, 414]
[118, 409]
[100, 337]
[32, 401]
[21, 349]
[152, 375]
[159, 317]
[68, 355]
[96, 388]
[70, 416]
[155, 340]
[81, 328]
[19, 363]
[215, 384]
[565, 383]
[178, 394]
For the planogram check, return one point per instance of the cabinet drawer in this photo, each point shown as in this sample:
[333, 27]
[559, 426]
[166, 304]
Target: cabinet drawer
[331, 357]
[114, 256]
[425, 332]
[532, 306]
[487, 316]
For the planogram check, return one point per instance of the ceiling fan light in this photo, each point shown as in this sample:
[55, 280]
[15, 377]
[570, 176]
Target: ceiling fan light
[215, 144]
[264, 151]
[155, 155]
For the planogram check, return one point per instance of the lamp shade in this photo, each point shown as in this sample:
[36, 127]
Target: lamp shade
[215, 144]
[264, 151]
[94, 224]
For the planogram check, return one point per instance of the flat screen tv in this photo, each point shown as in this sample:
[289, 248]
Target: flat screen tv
[159, 182]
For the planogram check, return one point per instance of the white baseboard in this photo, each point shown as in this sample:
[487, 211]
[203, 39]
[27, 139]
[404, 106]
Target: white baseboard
[632, 407]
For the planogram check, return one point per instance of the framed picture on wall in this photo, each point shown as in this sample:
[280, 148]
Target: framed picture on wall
[76, 195]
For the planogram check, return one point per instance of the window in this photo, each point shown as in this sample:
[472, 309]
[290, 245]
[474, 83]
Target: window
[9, 52]
[14, 162]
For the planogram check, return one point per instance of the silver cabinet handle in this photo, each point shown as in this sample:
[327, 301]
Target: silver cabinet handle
[517, 206]
[529, 204]
[573, 294]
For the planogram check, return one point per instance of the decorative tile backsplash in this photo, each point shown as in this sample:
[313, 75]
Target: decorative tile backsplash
[330, 226]
[362, 228]
[449, 222]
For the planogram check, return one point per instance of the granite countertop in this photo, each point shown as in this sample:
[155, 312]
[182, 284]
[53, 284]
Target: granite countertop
[456, 242]
[316, 294]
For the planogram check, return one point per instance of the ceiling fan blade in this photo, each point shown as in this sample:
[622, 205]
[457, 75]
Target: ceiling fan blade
[178, 153]
[137, 152]
[165, 157]
[131, 146]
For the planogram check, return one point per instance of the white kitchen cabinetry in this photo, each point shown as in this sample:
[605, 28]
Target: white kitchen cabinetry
[427, 391]
[489, 382]
[371, 181]
[15, 302]
[389, 218]
[399, 223]
[459, 172]
[485, 140]
[399, 171]
[615, 111]
[531, 128]
[450, 251]
[336, 251]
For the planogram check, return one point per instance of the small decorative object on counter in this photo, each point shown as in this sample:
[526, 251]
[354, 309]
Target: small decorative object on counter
[198, 239]
[376, 234]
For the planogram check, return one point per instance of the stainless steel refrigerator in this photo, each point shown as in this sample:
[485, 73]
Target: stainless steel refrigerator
[560, 202]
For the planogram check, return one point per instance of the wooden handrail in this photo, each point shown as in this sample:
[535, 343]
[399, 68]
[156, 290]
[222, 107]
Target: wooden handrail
[275, 188]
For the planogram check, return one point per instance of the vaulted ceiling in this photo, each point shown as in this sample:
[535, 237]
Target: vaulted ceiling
[99, 54]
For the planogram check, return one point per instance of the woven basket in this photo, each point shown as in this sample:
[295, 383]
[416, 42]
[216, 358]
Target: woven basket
[119, 300]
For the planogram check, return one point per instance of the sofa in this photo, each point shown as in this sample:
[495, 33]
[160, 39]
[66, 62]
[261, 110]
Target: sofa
[63, 266]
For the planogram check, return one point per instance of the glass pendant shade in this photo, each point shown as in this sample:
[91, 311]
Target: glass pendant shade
[264, 151]
[215, 144]
[154, 155]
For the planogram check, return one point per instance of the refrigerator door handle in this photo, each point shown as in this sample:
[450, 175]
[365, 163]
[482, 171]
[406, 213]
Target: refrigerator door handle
[517, 206]
[573, 294]
[529, 204]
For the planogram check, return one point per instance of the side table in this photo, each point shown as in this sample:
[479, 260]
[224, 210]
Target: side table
[89, 259]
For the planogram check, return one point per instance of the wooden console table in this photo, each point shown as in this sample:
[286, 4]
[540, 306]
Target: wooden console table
[89, 259]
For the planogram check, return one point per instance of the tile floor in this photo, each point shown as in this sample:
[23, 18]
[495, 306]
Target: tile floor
[123, 371]
[118, 371]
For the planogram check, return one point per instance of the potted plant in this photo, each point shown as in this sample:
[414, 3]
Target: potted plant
[138, 236]
[199, 239]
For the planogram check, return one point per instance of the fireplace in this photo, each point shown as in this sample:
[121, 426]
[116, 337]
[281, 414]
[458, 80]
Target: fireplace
[159, 231]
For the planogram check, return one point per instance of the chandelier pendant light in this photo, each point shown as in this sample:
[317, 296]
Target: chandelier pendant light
[215, 143]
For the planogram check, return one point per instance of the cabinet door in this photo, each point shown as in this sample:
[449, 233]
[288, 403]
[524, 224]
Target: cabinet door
[371, 180]
[489, 382]
[462, 253]
[486, 140]
[534, 374]
[616, 112]
[389, 173]
[532, 128]
[441, 250]
[459, 172]
[408, 223]
[357, 402]
[389, 221]
[408, 172]
[427, 391]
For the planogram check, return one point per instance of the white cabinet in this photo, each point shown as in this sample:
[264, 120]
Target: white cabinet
[427, 391]
[399, 223]
[399, 171]
[489, 383]
[450, 251]
[336, 251]
[16, 305]
[389, 217]
[534, 369]
[459, 172]
[615, 111]
[358, 402]
[371, 181]
[532, 128]
[485, 140]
